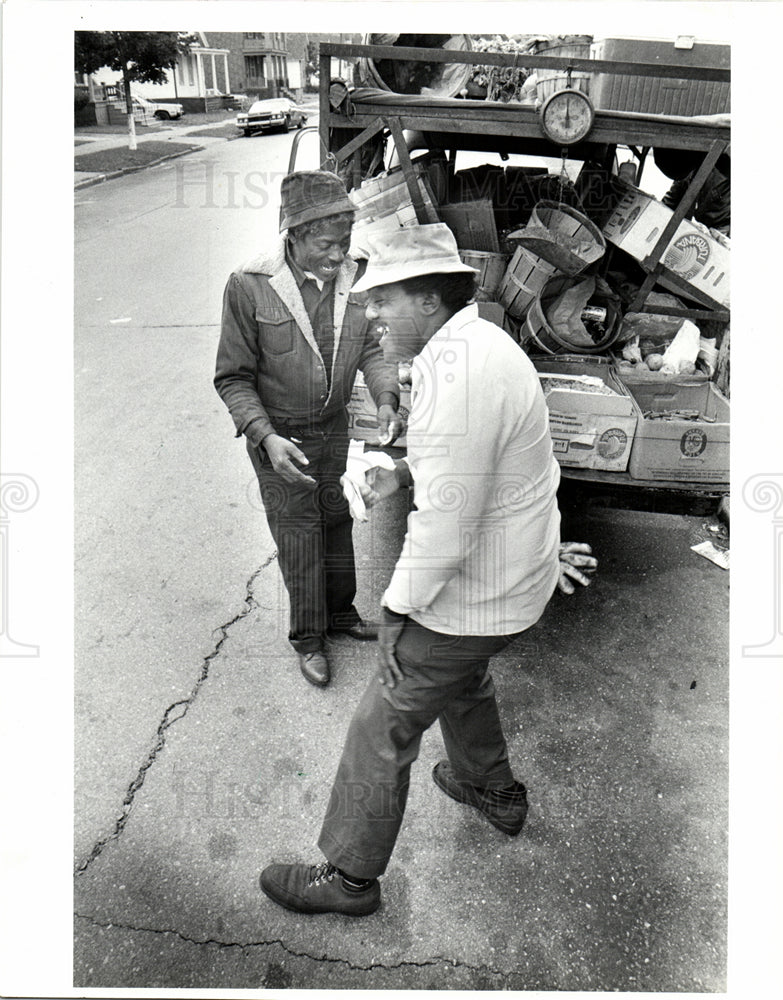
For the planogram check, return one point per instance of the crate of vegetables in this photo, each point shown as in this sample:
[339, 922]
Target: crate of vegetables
[592, 419]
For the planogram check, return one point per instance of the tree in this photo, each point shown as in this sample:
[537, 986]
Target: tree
[138, 55]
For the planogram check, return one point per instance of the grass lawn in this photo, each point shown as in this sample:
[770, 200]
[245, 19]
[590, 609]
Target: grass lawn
[226, 131]
[107, 160]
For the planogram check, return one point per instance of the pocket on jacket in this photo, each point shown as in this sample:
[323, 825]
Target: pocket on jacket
[277, 332]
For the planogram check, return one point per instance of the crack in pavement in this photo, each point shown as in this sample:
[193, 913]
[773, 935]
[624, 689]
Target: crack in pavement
[405, 963]
[176, 711]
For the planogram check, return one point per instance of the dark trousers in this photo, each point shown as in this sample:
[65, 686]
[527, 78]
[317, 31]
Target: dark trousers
[446, 678]
[312, 529]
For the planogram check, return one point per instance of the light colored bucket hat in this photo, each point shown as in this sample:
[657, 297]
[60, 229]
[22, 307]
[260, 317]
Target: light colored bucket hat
[409, 253]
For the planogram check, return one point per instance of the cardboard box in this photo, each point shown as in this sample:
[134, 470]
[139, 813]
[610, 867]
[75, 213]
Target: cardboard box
[589, 430]
[639, 219]
[473, 224]
[657, 95]
[363, 232]
[492, 312]
[386, 193]
[363, 413]
[695, 451]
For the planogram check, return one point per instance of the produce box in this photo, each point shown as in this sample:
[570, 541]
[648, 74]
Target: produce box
[656, 95]
[363, 413]
[641, 373]
[639, 219]
[590, 429]
[679, 449]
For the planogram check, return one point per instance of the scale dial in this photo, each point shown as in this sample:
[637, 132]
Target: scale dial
[567, 117]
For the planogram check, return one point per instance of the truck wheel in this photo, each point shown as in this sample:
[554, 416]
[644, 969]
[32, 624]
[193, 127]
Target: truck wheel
[248, 132]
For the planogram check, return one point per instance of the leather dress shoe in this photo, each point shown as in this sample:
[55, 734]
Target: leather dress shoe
[362, 630]
[505, 808]
[315, 667]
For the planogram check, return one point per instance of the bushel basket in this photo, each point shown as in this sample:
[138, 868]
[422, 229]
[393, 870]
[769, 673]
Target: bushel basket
[563, 236]
[542, 336]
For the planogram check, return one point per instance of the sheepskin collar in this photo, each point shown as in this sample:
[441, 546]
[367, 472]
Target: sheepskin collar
[272, 263]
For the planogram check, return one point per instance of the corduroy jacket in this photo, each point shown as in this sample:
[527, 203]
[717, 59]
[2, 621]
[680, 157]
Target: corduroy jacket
[268, 363]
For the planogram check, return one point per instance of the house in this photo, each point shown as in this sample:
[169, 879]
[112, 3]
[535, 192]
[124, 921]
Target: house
[201, 78]
[263, 63]
[220, 66]
[257, 64]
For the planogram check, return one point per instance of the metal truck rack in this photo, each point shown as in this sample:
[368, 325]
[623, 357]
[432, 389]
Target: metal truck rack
[350, 119]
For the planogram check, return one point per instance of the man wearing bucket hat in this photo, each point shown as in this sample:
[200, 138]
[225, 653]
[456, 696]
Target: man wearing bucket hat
[480, 560]
[292, 339]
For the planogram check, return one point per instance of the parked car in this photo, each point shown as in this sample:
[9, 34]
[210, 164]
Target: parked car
[143, 109]
[275, 112]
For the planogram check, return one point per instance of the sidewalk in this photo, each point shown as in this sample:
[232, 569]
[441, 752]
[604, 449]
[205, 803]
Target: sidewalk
[615, 711]
[191, 131]
[100, 138]
[185, 136]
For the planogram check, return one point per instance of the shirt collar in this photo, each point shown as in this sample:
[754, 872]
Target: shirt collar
[428, 357]
[439, 340]
[301, 276]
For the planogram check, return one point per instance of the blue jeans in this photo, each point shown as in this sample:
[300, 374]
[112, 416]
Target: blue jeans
[446, 678]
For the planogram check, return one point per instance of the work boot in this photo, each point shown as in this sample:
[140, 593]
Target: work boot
[320, 889]
[505, 808]
[315, 667]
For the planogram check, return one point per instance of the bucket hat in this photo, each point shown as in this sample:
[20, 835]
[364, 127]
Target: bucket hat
[409, 253]
[312, 194]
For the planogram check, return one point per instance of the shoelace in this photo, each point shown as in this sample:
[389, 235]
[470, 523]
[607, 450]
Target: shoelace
[322, 873]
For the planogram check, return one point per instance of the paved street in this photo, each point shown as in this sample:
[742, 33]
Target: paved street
[201, 754]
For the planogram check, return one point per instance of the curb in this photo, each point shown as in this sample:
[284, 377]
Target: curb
[100, 178]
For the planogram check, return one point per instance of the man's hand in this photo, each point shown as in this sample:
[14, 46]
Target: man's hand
[282, 454]
[378, 484]
[575, 561]
[389, 629]
[390, 424]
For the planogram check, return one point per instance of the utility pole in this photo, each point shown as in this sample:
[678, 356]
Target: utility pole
[129, 107]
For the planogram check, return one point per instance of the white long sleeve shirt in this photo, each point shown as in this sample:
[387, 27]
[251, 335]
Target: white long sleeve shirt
[480, 555]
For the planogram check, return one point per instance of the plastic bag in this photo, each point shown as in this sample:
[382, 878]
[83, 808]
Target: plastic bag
[564, 314]
[680, 356]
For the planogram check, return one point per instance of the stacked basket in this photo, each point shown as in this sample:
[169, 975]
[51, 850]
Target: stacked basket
[557, 243]
[491, 268]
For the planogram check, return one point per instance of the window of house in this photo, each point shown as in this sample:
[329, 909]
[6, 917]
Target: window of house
[254, 67]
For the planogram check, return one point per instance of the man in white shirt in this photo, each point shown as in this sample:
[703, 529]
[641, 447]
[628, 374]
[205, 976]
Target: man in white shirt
[480, 561]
